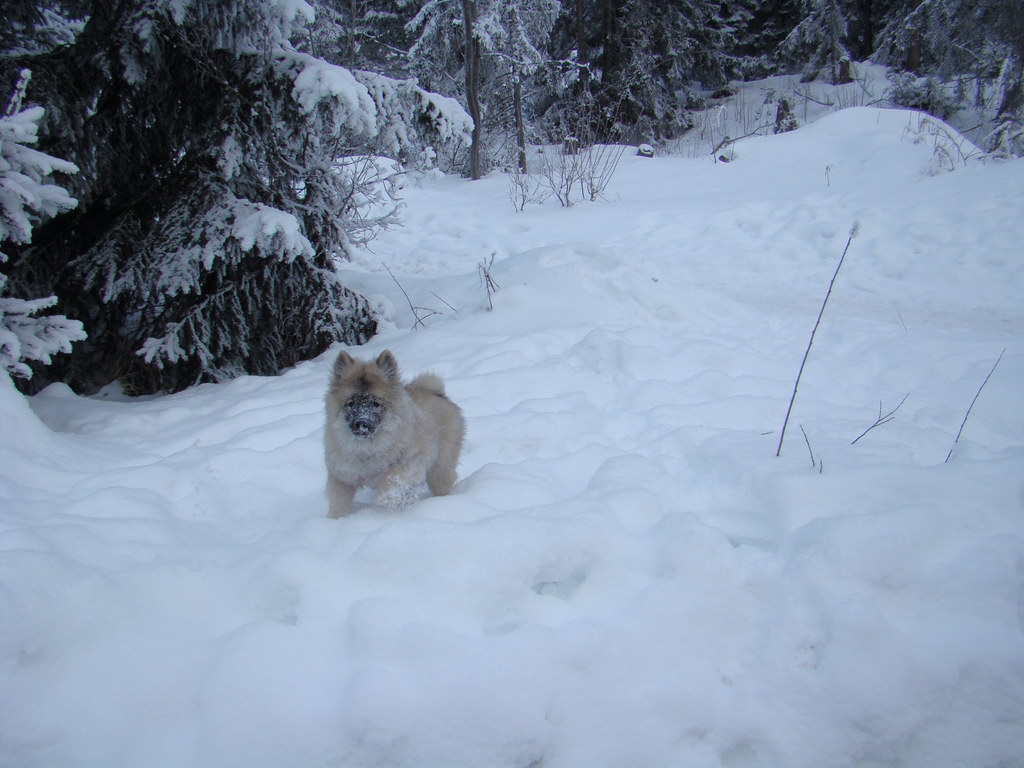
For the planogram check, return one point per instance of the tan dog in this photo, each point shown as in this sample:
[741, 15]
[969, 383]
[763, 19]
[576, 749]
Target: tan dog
[387, 435]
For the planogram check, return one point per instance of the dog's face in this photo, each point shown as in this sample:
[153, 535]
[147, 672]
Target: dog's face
[362, 393]
[363, 413]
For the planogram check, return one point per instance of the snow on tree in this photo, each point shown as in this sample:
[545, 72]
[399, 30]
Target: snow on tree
[217, 191]
[362, 34]
[756, 27]
[958, 40]
[638, 62]
[820, 41]
[27, 197]
[491, 45]
[38, 26]
[515, 37]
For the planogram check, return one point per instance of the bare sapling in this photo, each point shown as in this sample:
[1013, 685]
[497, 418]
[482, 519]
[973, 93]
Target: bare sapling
[971, 406]
[853, 233]
[490, 284]
[420, 313]
[523, 189]
[561, 174]
[882, 418]
[599, 167]
[582, 170]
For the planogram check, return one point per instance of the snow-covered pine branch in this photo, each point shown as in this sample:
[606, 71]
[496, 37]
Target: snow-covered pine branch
[408, 118]
[26, 337]
[27, 197]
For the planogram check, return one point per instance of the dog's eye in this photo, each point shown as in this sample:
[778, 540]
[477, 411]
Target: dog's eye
[363, 403]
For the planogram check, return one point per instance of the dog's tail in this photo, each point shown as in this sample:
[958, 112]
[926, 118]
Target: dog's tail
[428, 382]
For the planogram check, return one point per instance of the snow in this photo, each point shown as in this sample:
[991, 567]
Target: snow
[320, 83]
[625, 573]
[259, 223]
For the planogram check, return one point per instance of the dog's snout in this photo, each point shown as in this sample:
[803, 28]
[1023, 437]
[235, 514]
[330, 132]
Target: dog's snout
[362, 427]
[363, 414]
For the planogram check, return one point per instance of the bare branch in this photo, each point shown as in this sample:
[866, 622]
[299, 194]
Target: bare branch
[809, 450]
[415, 310]
[439, 298]
[882, 419]
[853, 233]
[971, 406]
[490, 284]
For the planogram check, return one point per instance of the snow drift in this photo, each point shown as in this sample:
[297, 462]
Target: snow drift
[625, 573]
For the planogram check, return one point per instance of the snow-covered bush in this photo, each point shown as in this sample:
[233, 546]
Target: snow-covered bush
[924, 93]
[26, 197]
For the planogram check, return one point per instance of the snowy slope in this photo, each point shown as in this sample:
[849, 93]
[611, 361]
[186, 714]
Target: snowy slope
[625, 575]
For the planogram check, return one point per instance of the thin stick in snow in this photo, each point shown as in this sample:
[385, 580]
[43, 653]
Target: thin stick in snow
[415, 310]
[814, 463]
[900, 316]
[971, 406]
[853, 233]
[881, 419]
[490, 284]
[441, 299]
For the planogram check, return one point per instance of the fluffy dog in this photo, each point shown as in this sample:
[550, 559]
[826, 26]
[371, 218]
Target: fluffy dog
[388, 435]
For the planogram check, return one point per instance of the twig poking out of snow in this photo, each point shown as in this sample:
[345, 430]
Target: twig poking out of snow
[881, 419]
[971, 406]
[816, 464]
[440, 298]
[415, 310]
[853, 233]
[490, 284]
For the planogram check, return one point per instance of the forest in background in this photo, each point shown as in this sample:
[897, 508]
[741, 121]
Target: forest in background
[180, 178]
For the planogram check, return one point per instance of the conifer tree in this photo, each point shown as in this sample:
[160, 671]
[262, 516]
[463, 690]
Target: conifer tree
[223, 176]
[980, 39]
[637, 62]
[820, 41]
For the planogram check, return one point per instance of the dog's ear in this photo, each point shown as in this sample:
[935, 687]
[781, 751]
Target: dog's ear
[387, 363]
[342, 363]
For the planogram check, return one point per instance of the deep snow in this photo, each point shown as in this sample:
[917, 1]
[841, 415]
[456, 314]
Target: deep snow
[625, 574]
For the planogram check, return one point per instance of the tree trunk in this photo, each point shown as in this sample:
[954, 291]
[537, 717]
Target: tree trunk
[610, 59]
[517, 103]
[582, 51]
[1007, 119]
[1013, 97]
[866, 43]
[469, 11]
[914, 53]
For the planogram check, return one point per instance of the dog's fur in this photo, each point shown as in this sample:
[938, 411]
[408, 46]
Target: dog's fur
[388, 435]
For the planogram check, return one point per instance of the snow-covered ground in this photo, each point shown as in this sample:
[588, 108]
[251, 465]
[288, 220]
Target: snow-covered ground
[626, 574]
